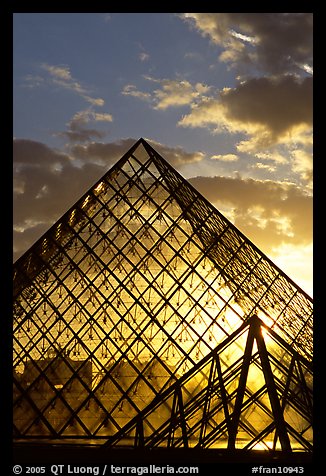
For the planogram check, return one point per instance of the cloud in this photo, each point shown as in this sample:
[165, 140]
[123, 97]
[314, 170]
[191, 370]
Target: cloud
[83, 117]
[143, 56]
[176, 93]
[59, 72]
[268, 110]
[94, 101]
[274, 156]
[176, 156]
[261, 166]
[270, 42]
[77, 130]
[46, 185]
[293, 261]
[303, 164]
[172, 93]
[225, 157]
[299, 156]
[29, 152]
[99, 151]
[131, 90]
[83, 134]
[278, 105]
[60, 75]
[33, 81]
[269, 213]
[101, 116]
[62, 188]
[24, 237]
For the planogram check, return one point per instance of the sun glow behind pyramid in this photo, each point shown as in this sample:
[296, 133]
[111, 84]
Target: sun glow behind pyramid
[129, 292]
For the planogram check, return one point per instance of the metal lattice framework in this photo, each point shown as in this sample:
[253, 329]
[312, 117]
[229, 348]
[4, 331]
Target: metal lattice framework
[144, 317]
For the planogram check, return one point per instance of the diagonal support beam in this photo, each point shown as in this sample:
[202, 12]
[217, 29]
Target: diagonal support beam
[139, 436]
[280, 423]
[178, 418]
[234, 423]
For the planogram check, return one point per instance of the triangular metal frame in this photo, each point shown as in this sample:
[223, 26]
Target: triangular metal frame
[136, 287]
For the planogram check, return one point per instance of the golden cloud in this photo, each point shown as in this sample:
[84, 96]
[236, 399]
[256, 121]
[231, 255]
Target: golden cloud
[268, 212]
[60, 75]
[172, 93]
[225, 157]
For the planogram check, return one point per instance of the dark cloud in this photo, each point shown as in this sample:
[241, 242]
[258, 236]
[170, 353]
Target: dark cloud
[46, 194]
[27, 151]
[77, 130]
[24, 238]
[271, 42]
[82, 135]
[108, 153]
[177, 156]
[278, 104]
[46, 184]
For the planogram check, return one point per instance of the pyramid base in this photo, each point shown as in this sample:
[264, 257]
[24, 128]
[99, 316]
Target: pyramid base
[78, 454]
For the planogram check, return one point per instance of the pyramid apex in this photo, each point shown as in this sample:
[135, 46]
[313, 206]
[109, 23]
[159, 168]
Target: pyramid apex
[142, 140]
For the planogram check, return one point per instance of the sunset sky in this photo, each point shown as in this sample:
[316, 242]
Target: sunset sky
[225, 97]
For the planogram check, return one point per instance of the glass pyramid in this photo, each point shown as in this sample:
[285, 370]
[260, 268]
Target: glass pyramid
[143, 317]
